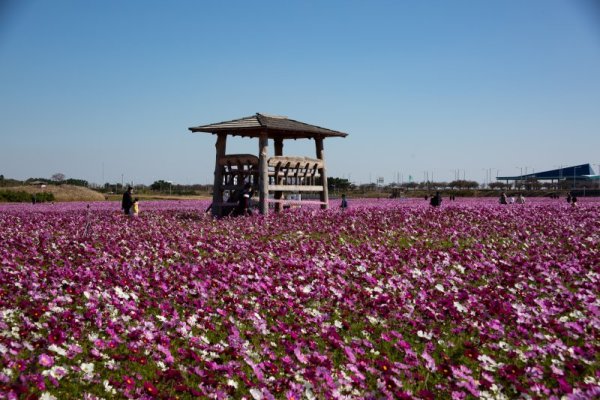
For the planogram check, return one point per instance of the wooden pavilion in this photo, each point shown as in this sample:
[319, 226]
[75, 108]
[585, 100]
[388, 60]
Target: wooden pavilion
[269, 175]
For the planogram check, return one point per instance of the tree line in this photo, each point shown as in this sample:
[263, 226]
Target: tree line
[56, 179]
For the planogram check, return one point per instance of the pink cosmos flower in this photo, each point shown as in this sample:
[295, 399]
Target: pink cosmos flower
[45, 360]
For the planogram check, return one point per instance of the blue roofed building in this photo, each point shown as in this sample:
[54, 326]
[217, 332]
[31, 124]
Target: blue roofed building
[575, 173]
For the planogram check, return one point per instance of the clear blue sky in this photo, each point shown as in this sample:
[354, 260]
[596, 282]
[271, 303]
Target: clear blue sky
[100, 89]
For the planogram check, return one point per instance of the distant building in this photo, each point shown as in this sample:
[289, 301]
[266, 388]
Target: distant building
[576, 173]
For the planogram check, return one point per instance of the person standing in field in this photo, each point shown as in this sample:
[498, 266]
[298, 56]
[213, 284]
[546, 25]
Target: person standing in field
[436, 200]
[127, 201]
[344, 204]
[503, 198]
[135, 207]
[243, 207]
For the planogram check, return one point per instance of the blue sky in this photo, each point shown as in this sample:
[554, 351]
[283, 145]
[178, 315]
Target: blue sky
[105, 90]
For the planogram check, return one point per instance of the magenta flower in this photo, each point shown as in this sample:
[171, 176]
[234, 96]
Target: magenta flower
[129, 382]
[150, 388]
[387, 300]
[56, 336]
[45, 360]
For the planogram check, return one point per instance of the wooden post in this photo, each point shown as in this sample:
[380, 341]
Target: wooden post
[322, 172]
[278, 195]
[220, 146]
[263, 173]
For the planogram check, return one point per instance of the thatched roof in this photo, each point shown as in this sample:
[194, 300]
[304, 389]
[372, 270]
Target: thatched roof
[275, 127]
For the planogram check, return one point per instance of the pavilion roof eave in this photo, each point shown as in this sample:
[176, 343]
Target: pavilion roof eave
[255, 133]
[275, 127]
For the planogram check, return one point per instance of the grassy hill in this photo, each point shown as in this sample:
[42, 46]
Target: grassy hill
[62, 192]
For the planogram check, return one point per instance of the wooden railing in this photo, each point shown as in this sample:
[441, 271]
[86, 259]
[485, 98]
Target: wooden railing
[294, 174]
[238, 169]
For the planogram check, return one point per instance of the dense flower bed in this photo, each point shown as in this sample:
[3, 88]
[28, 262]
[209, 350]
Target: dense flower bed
[389, 299]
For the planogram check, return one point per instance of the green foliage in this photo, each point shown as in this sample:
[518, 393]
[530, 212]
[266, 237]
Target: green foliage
[24, 197]
[176, 189]
[9, 182]
[160, 185]
[338, 183]
[499, 185]
[463, 184]
[58, 177]
[76, 182]
[31, 181]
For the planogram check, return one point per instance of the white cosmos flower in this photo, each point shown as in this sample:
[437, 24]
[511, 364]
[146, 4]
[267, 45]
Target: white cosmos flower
[425, 335]
[590, 380]
[47, 396]
[460, 307]
[87, 368]
[121, 294]
[192, 320]
[307, 289]
[108, 388]
[232, 383]
[58, 350]
[161, 365]
[56, 372]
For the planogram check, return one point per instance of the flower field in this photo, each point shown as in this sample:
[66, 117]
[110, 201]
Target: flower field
[388, 299]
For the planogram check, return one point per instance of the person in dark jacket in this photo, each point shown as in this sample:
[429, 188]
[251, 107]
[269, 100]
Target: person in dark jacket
[344, 204]
[503, 198]
[243, 207]
[436, 200]
[127, 201]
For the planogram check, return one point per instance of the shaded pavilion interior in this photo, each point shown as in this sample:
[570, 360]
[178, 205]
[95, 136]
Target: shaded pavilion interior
[275, 174]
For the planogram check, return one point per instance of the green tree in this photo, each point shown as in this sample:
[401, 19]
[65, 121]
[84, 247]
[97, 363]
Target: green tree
[463, 184]
[160, 185]
[58, 177]
[498, 185]
[338, 183]
[76, 182]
